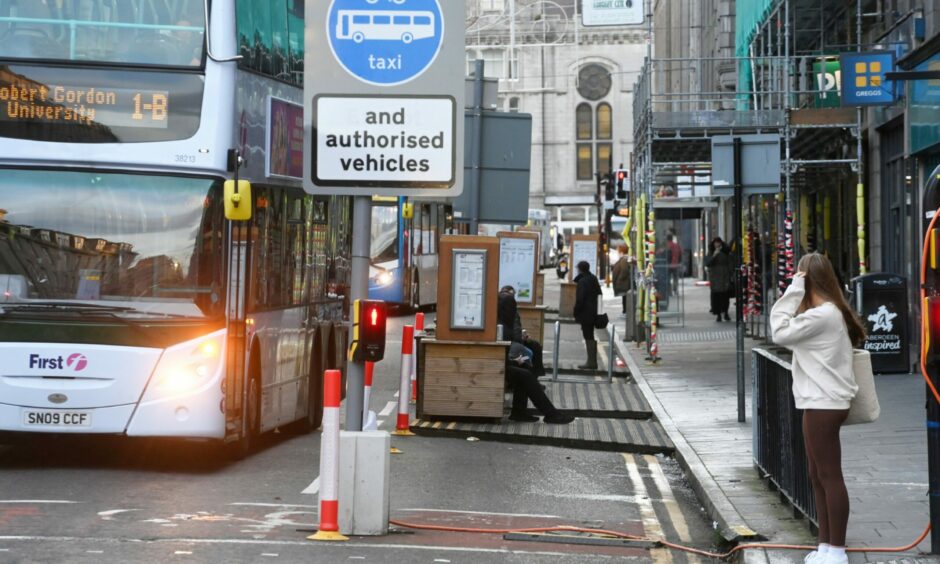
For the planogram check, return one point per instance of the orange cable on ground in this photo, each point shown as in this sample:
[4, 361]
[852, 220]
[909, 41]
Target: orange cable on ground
[700, 552]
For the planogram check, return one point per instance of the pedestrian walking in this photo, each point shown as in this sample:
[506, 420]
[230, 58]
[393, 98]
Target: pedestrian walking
[585, 310]
[813, 320]
[719, 279]
[622, 277]
[675, 261]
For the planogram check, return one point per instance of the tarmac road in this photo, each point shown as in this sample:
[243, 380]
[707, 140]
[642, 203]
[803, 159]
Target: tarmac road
[113, 500]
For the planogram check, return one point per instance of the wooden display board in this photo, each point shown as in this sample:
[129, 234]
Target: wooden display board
[569, 293]
[583, 247]
[533, 321]
[519, 264]
[540, 289]
[467, 288]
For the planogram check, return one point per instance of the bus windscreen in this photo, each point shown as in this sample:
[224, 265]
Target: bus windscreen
[149, 243]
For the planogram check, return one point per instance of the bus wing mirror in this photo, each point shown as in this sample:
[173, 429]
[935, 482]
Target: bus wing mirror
[237, 200]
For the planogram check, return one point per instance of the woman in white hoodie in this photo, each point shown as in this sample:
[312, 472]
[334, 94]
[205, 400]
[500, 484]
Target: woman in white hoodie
[813, 320]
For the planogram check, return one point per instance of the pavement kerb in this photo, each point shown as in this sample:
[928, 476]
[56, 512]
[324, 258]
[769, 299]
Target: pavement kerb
[719, 508]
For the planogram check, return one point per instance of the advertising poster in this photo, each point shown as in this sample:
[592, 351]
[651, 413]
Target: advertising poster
[584, 250]
[285, 139]
[469, 291]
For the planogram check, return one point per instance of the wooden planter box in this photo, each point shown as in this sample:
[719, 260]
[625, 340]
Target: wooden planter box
[461, 378]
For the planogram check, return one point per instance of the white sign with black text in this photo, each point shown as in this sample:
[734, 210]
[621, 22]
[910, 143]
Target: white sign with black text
[391, 140]
[612, 12]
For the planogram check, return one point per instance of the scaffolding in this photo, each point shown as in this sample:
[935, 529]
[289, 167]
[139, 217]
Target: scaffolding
[784, 82]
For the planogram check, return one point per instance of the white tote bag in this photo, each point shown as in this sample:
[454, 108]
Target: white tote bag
[864, 407]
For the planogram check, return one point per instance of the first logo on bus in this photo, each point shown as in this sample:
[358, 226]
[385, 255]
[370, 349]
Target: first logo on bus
[385, 42]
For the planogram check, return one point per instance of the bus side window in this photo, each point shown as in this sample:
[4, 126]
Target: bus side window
[433, 229]
[416, 231]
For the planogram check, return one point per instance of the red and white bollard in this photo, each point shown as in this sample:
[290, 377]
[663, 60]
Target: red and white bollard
[407, 351]
[419, 331]
[329, 460]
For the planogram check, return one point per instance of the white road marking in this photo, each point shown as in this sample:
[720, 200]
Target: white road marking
[183, 552]
[94, 552]
[417, 509]
[38, 501]
[396, 394]
[669, 500]
[109, 514]
[313, 488]
[251, 504]
[441, 560]
[357, 557]
[650, 522]
[270, 554]
[379, 423]
[389, 407]
[304, 543]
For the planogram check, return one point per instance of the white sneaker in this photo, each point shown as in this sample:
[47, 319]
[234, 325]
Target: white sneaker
[832, 558]
[812, 558]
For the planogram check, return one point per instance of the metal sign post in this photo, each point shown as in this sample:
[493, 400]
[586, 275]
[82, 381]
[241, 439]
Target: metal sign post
[383, 115]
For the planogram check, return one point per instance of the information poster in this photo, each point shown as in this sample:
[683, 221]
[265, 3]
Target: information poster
[468, 302]
[517, 266]
[584, 250]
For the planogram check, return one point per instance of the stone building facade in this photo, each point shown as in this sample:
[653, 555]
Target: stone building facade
[577, 84]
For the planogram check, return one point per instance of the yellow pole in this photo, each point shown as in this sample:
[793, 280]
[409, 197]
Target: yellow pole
[860, 216]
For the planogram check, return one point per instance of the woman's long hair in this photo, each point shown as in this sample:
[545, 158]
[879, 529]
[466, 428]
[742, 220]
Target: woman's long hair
[821, 281]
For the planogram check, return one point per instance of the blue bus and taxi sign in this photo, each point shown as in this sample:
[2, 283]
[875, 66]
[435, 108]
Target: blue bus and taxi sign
[863, 78]
[385, 42]
[384, 103]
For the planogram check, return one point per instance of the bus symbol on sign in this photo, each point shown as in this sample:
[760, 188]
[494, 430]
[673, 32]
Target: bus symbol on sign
[385, 43]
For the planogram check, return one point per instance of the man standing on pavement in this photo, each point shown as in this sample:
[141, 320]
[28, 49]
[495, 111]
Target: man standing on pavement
[585, 310]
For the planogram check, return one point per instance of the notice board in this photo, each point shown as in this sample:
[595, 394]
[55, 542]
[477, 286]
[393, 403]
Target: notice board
[583, 247]
[467, 288]
[518, 263]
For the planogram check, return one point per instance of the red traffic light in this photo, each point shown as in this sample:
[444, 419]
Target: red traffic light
[369, 331]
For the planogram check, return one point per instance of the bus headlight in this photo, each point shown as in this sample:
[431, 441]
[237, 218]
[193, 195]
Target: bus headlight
[187, 366]
[384, 278]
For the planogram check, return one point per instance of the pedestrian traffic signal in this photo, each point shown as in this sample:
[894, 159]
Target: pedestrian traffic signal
[368, 340]
[621, 176]
[608, 188]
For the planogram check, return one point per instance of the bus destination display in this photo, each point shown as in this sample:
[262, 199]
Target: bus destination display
[91, 105]
[62, 103]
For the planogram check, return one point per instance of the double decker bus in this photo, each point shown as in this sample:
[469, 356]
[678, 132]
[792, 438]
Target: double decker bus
[130, 303]
[404, 251]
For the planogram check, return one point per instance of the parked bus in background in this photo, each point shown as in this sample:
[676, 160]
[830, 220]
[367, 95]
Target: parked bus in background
[405, 238]
[131, 304]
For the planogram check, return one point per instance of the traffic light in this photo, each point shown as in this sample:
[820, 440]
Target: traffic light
[368, 340]
[621, 176]
[608, 190]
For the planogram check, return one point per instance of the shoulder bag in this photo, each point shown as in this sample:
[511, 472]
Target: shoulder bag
[864, 407]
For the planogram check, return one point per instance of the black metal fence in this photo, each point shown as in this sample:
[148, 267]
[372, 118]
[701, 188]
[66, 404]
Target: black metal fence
[779, 451]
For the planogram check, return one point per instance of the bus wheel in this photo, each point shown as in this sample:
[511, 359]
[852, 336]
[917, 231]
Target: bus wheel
[358, 37]
[407, 38]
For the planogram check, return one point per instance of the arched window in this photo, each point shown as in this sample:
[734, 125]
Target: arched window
[604, 119]
[594, 129]
[584, 121]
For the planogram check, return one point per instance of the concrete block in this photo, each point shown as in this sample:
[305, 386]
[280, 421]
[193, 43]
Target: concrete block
[364, 482]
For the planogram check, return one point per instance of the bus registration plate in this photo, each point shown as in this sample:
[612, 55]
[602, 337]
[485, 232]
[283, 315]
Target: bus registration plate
[56, 418]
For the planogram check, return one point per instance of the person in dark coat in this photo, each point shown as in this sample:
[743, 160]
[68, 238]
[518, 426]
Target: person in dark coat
[622, 275]
[524, 366]
[585, 310]
[508, 317]
[720, 268]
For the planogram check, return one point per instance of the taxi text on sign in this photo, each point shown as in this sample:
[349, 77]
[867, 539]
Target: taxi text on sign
[384, 97]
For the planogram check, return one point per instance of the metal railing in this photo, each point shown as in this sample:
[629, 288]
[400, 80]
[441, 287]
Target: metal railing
[778, 448]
